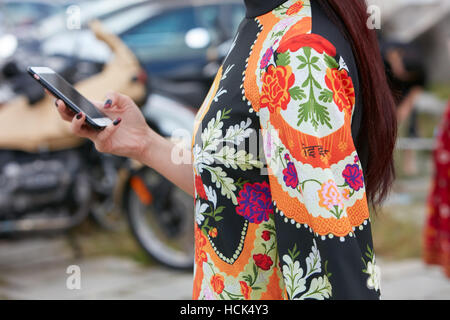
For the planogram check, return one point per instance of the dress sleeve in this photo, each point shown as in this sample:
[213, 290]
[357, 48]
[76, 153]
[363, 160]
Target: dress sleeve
[306, 102]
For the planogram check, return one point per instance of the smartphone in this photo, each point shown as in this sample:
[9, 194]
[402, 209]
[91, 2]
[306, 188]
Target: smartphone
[63, 90]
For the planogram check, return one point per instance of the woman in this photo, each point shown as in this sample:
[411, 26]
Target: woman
[299, 110]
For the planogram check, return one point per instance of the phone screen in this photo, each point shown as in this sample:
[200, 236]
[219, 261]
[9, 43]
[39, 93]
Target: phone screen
[72, 94]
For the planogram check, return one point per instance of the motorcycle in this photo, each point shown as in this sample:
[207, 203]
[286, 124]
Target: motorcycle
[52, 180]
[160, 214]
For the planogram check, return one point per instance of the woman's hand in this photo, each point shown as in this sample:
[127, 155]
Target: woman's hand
[128, 135]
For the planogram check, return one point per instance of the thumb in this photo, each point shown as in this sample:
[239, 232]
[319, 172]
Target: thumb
[103, 139]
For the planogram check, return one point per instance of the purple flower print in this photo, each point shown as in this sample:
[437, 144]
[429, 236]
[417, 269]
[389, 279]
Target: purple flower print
[353, 175]
[290, 176]
[255, 202]
[266, 58]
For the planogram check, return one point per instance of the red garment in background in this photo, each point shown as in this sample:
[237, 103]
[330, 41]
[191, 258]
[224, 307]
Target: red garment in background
[437, 228]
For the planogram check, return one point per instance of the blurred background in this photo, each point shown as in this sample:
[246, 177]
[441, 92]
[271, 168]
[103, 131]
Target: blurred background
[128, 229]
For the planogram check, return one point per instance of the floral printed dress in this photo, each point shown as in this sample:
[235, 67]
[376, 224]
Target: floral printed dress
[280, 204]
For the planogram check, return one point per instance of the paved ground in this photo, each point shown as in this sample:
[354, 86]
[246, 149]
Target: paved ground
[35, 268]
[412, 280]
[119, 278]
[105, 278]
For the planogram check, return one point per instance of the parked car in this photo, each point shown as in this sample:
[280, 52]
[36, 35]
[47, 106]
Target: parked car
[175, 40]
[19, 17]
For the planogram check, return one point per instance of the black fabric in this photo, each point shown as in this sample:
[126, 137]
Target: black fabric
[256, 8]
[247, 227]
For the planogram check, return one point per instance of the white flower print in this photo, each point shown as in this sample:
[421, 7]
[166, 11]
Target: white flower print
[214, 147]
[293, 277]
[373, 282]
[237, 133]
[313, 262]
[232, 46]
[200, 208]
[295, 280]
[227, 70]
[211, 195]
[342, 64]
[219, 93]
[374, 275]
[201, 158]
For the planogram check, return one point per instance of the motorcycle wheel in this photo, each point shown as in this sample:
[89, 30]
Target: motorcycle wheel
[161, 217]
[107, 214]
[106, 180]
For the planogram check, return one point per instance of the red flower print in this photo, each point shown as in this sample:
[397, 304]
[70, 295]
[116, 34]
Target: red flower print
[295, 8]
[341, 84]
[275, 88]
[217, 283]
[255, 202]
[265, 235]
[263, 261]
[290, 176]
[314, 41]
[199, 187]
[245, 290]
[353, 175]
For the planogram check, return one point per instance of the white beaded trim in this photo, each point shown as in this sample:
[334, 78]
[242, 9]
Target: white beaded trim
[244, 98]
[238, 250]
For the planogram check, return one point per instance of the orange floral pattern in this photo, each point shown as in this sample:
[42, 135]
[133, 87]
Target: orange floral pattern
[295, 8]
[245, 290]
[341, 84]
[213, 232]
[275, 89]
[217, 283]
[330, 196]
[346, 194]
[200, 242]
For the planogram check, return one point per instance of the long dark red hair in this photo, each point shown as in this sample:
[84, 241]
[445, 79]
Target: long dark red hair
[379, 123]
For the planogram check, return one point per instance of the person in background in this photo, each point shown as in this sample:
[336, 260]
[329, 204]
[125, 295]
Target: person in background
[437, 228]
[407, 76]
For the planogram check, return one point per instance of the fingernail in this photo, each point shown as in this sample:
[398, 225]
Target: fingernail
[108, 103]
[79, 115]
[117, 121]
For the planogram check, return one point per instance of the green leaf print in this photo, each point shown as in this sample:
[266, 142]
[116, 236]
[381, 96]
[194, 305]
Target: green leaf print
[297, 93]
[326, 96]
[283, 59]
[315, 113]
[311, 110]
[330, 62]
